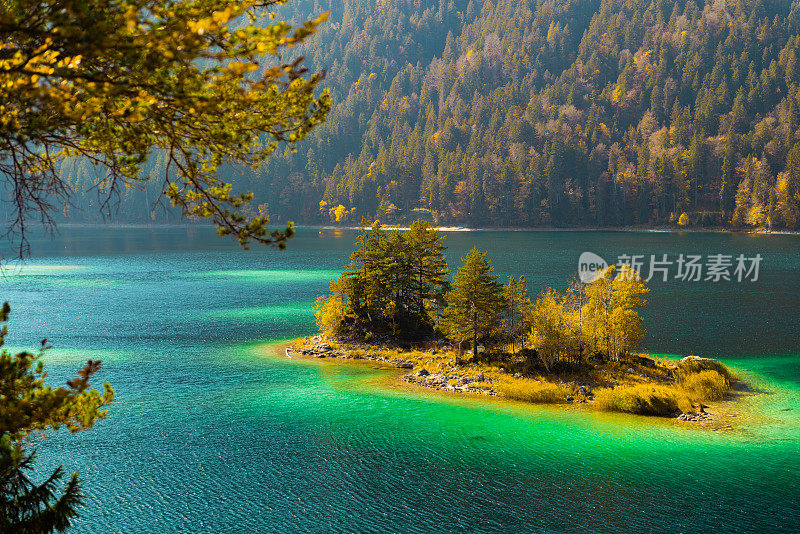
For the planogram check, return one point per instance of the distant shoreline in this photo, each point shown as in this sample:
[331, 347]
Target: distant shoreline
[628, 229]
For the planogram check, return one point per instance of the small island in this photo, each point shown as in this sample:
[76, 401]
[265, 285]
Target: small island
[395, 304]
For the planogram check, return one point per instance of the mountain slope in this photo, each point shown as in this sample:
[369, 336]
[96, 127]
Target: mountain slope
[564, 113]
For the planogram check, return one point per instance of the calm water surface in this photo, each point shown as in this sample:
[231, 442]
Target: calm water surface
[209, 435]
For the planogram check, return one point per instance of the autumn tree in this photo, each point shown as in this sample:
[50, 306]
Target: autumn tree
[475, 304]
[575, 308]
[549, 334]
[200, 83]
[612, 319]
[597, 312]
[596, 318]
[627, 296]
[330, 310]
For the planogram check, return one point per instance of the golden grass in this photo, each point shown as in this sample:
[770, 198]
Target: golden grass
[707, 385]
[696, 366]
[643, 399]
[532, 391]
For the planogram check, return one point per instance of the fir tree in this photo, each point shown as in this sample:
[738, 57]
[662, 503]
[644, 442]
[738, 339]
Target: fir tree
[28, 407]
[517, 309]
[428, 266]
[475, 304]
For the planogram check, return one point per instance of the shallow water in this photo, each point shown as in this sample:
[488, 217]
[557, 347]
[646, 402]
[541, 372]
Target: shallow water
[209, 435]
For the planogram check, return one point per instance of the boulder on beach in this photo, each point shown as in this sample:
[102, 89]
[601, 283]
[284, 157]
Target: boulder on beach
[693, 359]
[321, 347]
[646, 362]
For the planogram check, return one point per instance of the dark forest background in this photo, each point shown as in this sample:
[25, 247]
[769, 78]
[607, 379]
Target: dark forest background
[536, 113]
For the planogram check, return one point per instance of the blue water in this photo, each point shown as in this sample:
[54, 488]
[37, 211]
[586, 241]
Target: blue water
[209, 433]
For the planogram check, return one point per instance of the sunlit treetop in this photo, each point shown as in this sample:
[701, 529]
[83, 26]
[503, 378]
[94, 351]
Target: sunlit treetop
[201, 81]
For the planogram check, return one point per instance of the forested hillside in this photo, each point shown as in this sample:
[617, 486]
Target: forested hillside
[549, 113]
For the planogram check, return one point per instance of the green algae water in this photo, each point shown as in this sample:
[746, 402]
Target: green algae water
[209, 434]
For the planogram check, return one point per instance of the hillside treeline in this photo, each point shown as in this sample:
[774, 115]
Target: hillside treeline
[558, 113]
[548, 113]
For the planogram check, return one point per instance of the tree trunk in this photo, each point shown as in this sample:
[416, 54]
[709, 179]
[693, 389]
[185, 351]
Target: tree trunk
[474, 334]
[513, 352]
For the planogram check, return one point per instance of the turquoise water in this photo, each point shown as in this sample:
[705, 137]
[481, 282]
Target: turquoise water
[210, 435]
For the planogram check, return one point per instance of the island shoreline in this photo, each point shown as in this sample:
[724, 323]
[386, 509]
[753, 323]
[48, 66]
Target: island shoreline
[729, 415]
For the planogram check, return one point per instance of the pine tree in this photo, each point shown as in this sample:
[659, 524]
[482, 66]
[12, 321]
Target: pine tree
[517, 309]
[29, 406]
[367, 289]
[394, 273]
[475, 304]
[392, 282]
[788, 190]
[428, 266]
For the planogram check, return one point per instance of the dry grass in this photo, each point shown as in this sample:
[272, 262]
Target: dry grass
[532, 391]
[643, 399]
[707, 385]
[704, 380]
[697, 366]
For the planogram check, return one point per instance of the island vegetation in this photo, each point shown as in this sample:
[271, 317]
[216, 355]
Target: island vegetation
[395, 303]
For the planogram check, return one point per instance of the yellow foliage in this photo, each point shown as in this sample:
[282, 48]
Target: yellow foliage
[616, 96]
[757, 215]
[643, 399]
[329, 314]
[683, 220]
[337, 213]
[552, 33]
[160, 65]
[531, 391]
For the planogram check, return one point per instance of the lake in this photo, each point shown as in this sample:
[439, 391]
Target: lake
[210, 434]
